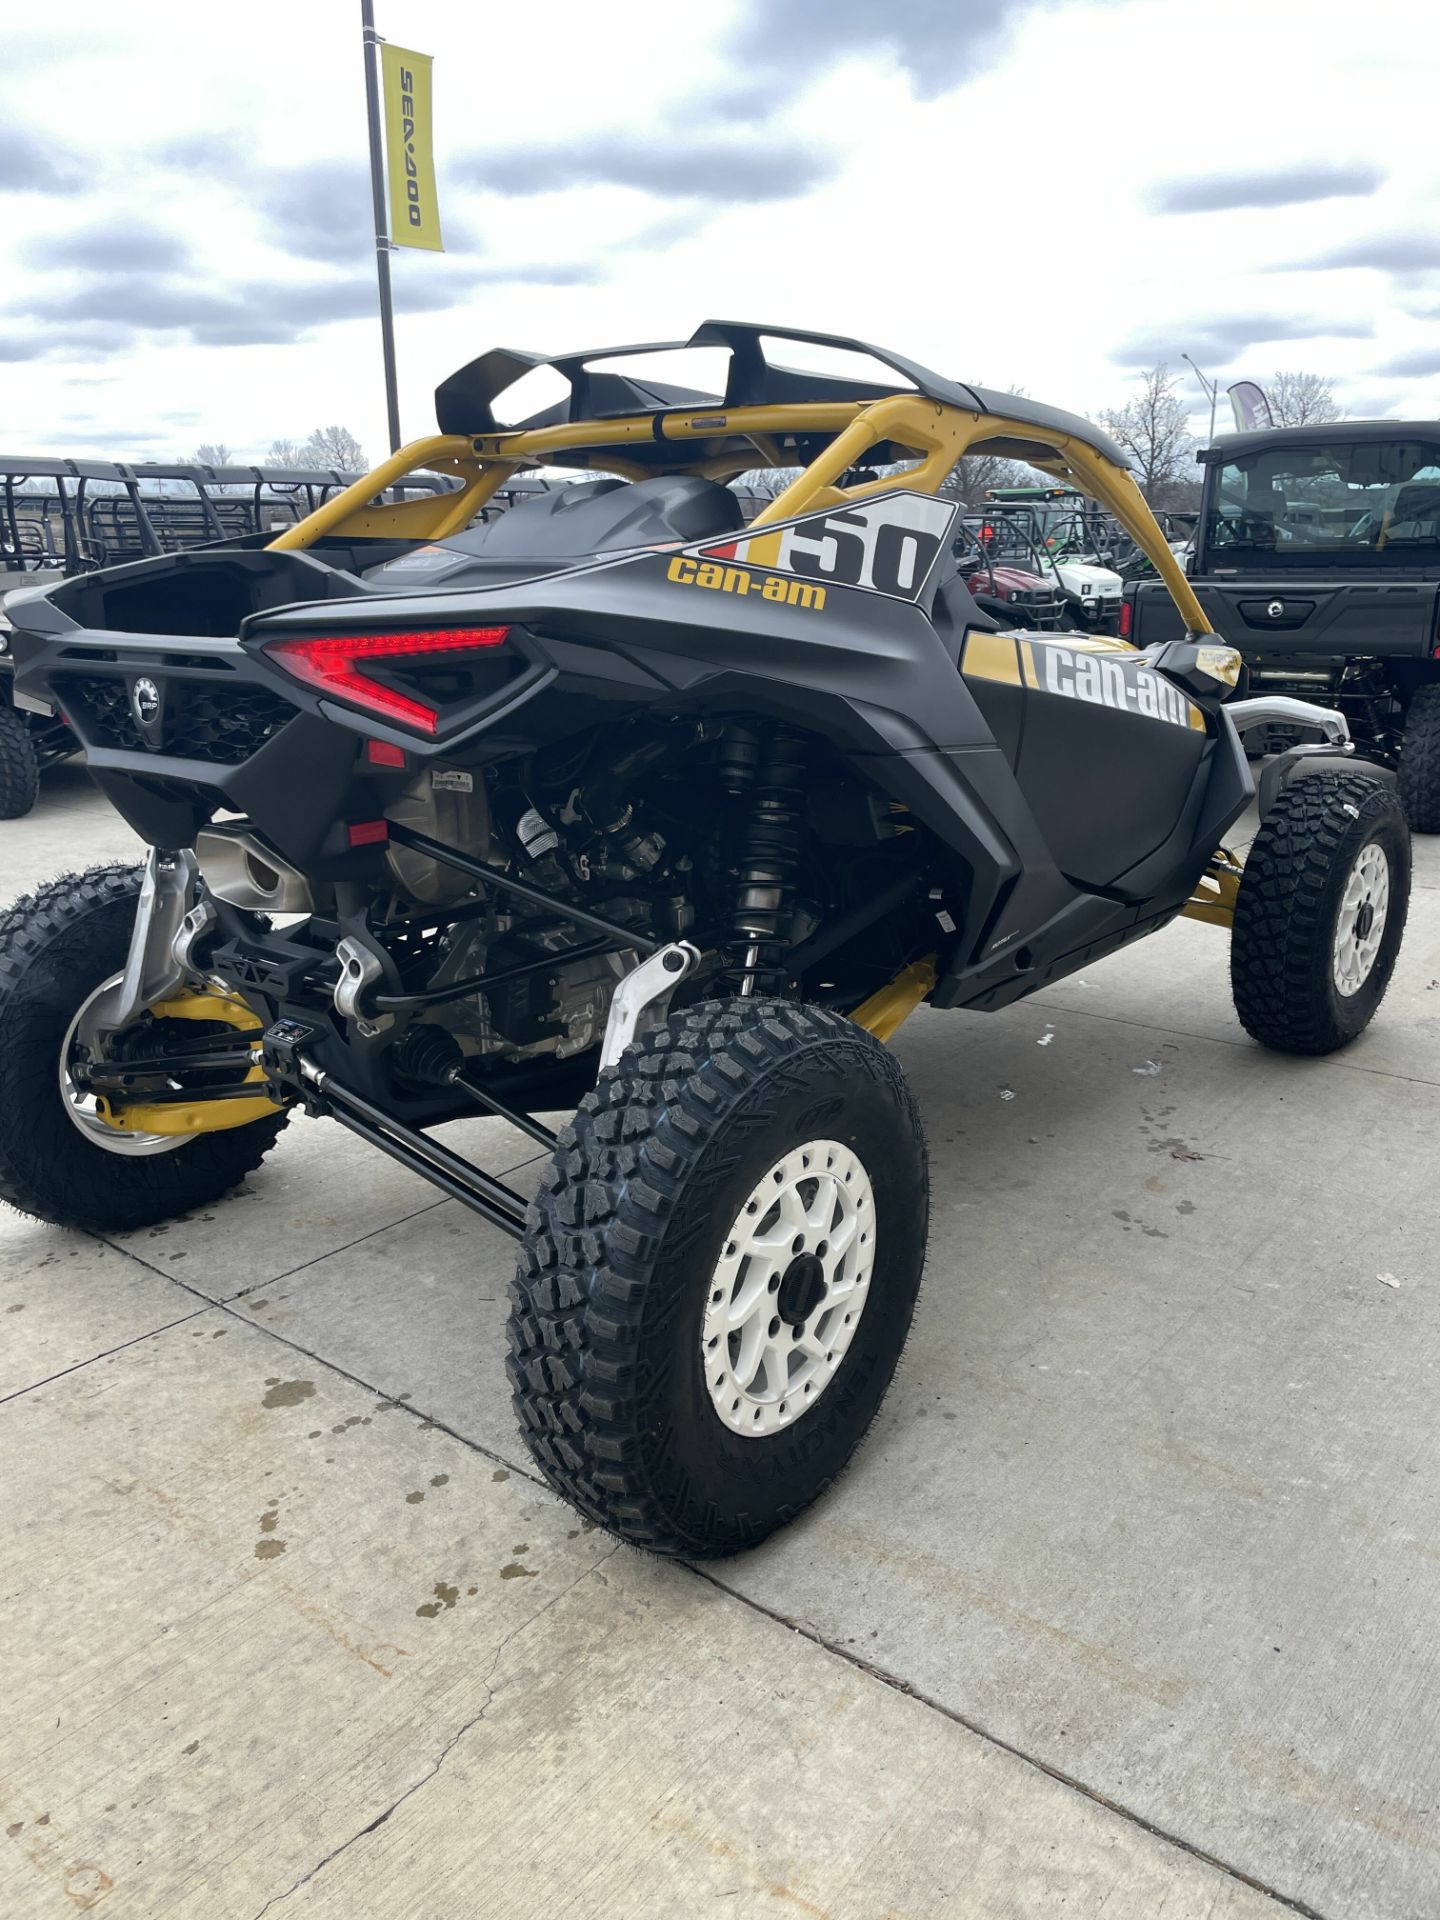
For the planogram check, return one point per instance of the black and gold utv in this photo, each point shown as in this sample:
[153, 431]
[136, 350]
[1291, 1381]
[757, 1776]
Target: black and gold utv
[622, 803]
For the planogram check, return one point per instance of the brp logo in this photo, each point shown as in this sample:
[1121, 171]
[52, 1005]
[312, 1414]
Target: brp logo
[1275, 609]
[145, 703]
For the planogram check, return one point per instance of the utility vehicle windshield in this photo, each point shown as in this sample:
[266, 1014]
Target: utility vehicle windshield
[1079, 535]
[1359, 503]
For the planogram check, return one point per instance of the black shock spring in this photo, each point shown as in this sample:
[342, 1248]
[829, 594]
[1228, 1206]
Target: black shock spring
[770, 769]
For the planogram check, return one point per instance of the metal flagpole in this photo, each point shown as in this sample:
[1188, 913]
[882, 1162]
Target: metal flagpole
[382, 234]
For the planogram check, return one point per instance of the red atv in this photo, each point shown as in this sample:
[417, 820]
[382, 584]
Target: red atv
[1005, 576]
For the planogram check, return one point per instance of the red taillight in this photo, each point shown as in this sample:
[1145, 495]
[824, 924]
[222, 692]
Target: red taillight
[368, 833]
[1127, 616]
[335, 663]
[380, 753]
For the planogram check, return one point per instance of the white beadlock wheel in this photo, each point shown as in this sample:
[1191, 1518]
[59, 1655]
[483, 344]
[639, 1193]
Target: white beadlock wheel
[81, 1109]
[742, 1142]
[1360, 925]
[789, 1288]
[1320, 912]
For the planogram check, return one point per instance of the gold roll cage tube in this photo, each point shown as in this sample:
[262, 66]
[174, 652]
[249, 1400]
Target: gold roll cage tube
[938, 435]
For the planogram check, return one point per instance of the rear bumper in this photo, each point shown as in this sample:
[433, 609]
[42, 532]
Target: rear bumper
[225, 736]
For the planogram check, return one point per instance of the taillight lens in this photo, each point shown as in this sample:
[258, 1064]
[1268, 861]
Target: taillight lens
[1127, 618]
[335, 663]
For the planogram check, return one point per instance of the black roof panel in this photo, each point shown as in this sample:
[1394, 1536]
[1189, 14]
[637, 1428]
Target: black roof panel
[1320, 433]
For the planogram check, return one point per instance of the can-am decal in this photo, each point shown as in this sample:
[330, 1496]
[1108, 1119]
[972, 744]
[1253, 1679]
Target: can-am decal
[886, 545]
[1101, 673]
[1107, 681]
[685, 570]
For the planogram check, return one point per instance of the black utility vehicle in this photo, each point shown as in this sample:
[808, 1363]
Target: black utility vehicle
[61, 516]
[626, 801]
[1318, 557]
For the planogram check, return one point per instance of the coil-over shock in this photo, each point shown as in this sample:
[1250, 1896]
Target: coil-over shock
[768, 770]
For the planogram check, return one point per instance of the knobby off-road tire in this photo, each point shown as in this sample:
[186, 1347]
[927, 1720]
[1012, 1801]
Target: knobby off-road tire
[1332, 843]
[56, 947]
[19, 764]
[634, 1256]
[1417, 778]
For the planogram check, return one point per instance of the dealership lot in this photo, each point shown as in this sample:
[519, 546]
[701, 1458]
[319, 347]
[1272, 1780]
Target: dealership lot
[1129, 1600]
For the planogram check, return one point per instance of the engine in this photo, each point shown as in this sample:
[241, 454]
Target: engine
[576, 828]
[740, 837]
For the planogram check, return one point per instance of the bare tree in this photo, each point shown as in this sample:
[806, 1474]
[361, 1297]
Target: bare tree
[284, 453]
[1151, 428]
[764, 483]
[1301, 399]
[334, 447]
[213, 453]
[978, 474]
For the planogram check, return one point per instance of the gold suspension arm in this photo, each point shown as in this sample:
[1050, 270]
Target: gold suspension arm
[1214, 897]
[180, 1117]
[884, 1012]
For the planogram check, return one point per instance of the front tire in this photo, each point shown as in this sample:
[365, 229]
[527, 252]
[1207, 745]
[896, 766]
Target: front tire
[1320, 913]
[1417, 777]
[719, 1273]
[19, 764]
[56, 947]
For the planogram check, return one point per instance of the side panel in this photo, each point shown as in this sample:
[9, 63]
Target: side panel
[1105, 750]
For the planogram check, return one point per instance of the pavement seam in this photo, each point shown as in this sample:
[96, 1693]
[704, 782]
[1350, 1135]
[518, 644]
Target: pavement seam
[207, 1305]
[400, 1406]
[79, 1365]
[1244, 1046]
[274, 1279]
[881, 1674]
[1093, 1794]
[450, 1745]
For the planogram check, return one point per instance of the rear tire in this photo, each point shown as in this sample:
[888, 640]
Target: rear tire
[56, 947]
[19, 764]
[1320, 913]
[655, 1226]
[1418, 776]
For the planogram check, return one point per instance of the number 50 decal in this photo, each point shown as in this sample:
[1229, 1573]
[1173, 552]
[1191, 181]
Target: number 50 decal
[886, 545]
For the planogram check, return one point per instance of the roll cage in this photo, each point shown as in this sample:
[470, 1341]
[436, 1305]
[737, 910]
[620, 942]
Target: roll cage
[836, 430]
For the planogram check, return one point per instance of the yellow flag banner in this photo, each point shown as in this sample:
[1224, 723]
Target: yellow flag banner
[414, 208]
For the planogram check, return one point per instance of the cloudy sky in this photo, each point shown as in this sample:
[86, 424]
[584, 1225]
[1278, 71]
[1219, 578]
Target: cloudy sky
[1044, 193]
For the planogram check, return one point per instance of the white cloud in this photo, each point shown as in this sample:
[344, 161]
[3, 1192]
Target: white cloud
[985, 204]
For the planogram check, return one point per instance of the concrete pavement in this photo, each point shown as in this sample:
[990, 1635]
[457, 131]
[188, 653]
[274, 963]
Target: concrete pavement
[1129, 1603]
